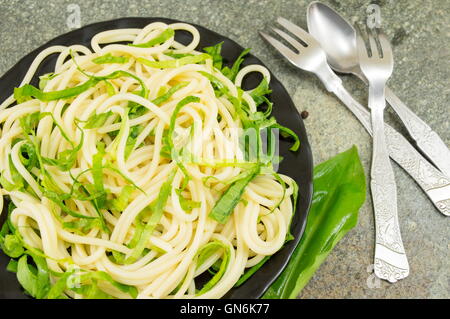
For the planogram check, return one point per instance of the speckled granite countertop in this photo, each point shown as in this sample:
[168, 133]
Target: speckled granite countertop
[420, 34]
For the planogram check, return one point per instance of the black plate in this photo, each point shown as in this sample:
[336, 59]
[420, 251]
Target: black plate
[297, 165]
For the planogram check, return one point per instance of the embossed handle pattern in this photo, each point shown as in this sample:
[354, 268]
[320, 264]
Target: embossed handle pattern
[427, 140]
[435, 184]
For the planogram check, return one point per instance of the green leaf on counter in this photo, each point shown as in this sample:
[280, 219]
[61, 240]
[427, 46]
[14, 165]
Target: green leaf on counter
[339, 192]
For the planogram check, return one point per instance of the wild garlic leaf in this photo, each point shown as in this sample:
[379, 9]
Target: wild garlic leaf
[339, 192]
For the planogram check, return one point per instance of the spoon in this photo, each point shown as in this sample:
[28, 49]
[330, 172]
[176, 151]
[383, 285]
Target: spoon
[337, 37]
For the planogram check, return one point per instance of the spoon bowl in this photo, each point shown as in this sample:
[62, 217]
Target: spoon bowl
[336, 36]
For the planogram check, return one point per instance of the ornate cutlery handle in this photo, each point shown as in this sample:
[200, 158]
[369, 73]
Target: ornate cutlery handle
[435, 184]
[427, 140]
[390, 258]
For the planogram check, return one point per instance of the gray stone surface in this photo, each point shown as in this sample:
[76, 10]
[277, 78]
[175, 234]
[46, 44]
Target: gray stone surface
[421, 33]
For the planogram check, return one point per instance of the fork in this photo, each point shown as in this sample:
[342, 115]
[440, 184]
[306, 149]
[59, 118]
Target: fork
[311, 57]
[377, 65]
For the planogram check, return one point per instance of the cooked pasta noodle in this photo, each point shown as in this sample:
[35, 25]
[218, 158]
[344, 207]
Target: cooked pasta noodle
[118, 163]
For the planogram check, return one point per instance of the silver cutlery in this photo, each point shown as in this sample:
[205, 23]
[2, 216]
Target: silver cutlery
[338, 39]
[312, 59]
[377, 65]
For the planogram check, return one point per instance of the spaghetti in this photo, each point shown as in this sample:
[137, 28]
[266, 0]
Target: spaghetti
[126, 174]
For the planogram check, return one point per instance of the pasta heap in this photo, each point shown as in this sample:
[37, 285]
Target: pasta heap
[124, 176]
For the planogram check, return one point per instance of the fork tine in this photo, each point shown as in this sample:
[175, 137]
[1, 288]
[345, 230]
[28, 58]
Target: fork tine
[295, 29]
[373, 45]
[284, 50]
[361, 45]
[385, 46]
[289, 39]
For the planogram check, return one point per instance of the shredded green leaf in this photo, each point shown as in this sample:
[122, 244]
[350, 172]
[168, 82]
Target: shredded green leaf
[59, 199]
[35, 280]
[83, 225]
[43, 80]
[28, 156]
[204, 253]
[163, 37]
[231, 197]
[109, 58]
[175, 63]
[12, 245]
[258, 93]
[67, 158]
[221, 88]
[131, 139]
[25, 92]
[177, 55]
[112, 148]
[186, 204]
[249, 272]
[120, 203]
[97, 174]
[12, 266]
[214, 52]
[85, 283]
[287, 132]
[97, 120]
[17, 180]
[171, 148]
[29, 122]
[231, 73]
[163, 98]
[157, 210]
